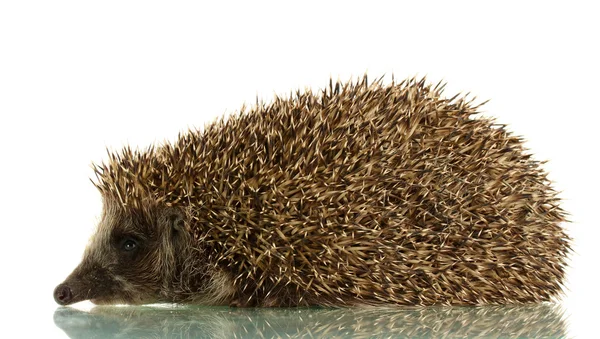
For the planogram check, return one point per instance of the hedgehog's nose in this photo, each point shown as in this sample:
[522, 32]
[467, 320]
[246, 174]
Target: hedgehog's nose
[63, 294]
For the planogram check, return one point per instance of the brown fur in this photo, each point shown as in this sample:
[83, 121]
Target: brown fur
[363, 194]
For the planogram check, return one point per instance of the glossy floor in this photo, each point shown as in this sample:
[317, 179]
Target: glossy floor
[534, 321]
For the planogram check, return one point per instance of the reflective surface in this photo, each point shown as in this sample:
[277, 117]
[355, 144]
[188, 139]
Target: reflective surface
[534, 321]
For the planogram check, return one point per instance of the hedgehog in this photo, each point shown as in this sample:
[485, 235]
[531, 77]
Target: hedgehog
[361, 193]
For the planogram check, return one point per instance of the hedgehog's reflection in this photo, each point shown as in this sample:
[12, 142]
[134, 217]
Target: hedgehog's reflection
[531, 321]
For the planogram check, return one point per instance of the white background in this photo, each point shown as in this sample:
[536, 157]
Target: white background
[79, 76]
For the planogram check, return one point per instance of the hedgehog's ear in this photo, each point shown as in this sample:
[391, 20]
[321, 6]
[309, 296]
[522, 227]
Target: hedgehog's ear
[174, 219]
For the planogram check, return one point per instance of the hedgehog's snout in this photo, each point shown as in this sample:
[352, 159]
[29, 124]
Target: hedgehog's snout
[63, 294]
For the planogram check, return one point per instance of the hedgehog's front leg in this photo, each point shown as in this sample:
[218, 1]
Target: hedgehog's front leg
[243, 300]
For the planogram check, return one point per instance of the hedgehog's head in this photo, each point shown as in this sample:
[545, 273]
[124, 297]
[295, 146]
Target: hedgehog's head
[132, 259]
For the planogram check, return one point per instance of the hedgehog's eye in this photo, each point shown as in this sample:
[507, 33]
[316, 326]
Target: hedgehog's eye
[129, 245]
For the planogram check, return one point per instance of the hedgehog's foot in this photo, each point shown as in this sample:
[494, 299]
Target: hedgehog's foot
[243, 301]
[248, 301]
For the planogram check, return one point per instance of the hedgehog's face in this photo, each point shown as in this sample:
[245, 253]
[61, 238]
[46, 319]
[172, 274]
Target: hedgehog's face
[130, 260]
